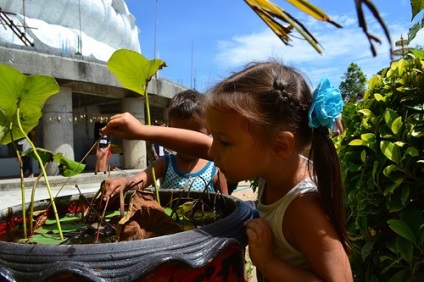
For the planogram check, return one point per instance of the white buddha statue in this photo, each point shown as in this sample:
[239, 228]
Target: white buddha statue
[88, 27]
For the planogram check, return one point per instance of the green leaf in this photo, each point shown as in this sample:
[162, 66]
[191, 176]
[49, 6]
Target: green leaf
[390, 116]
[363, 156]
[402, 229]
[417, 133]
[405, 195]
[379, 97]
[416, 7]
[133, 70]
[36, 91]
[367, 248]
[11, 84]
[45, 155]
[388, 169]
[396, 125]
[399, 66]
[5, 122]
[111, 214]
[28, 123]
[67, 226]
[405, 248]
[399, 276]
[413, 30]
[168, 211]
[373, 278]
[422, 237]
[413, 152]
[375, 81]
[400, 144]
[46, 239]
[385, 258]
[365, 112]
[390, 150]
[368, 137]
[68, 167]
[64, 219]
[392, 246]
[391, 188]
[29, 93]
[357, 142]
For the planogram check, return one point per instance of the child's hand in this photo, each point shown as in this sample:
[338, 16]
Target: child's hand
[112, 186]
[260, 241]
[123, 125]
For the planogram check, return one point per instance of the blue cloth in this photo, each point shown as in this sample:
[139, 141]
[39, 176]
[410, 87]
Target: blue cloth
[327, 105]
[175, 179]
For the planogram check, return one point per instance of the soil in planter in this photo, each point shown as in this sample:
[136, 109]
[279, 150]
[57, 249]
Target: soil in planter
[140, 217]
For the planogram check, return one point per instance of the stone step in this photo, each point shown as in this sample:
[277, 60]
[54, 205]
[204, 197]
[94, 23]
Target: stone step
[58, 180]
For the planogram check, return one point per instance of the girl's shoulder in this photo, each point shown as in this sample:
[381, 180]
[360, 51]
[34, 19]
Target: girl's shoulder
[203, 162]
[307, 206]
[203, 166]
[160, 164]
[304, 186]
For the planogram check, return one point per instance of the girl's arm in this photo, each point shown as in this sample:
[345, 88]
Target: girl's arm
[112, 186]
[317, 239]
[189, 142]
[307, 229]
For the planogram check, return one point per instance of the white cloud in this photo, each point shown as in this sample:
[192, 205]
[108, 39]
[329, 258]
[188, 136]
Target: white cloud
[341, 47]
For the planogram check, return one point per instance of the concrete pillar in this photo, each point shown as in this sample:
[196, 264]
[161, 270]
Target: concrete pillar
[134, 151]
[58, 127]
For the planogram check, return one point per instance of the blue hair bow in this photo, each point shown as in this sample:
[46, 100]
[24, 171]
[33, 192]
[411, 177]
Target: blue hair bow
[327, 105]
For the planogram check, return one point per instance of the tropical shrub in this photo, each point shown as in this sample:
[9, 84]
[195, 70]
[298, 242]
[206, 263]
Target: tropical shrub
[382, 153]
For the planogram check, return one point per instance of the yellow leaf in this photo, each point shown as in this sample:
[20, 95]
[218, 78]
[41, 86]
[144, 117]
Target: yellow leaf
[310, 9]
[267, 11]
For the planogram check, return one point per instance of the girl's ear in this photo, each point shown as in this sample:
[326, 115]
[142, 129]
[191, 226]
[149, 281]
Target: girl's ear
[284, 144]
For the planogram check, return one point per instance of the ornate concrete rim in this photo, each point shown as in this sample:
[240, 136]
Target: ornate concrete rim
[130, 260]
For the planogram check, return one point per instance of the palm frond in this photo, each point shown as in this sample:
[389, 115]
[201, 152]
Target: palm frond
[271, 14]
[312, 10]
[275, 17]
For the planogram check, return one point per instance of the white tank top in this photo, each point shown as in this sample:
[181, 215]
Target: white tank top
[275, 212]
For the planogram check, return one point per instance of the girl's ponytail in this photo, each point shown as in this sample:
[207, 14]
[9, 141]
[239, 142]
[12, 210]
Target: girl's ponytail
[327, 170]
[325, 109]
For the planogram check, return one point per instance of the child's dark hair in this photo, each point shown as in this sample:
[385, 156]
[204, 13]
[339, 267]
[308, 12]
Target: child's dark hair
[275, 98]
[186, 104]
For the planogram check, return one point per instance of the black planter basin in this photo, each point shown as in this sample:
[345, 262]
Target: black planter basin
[211, 253]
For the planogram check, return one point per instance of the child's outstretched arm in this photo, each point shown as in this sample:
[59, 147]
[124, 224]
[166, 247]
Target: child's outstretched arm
[112, 186]
[144, 179]
[189, 142]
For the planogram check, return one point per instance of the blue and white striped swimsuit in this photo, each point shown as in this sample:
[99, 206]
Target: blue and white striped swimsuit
[175, 179]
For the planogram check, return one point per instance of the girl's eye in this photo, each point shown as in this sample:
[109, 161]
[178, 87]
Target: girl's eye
[224, 143]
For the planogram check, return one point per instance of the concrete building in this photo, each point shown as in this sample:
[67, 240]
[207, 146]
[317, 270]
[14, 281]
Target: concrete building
[71, 40]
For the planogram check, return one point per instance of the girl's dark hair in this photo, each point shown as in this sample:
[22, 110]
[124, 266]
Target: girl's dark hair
[273, 98]
[186, 104]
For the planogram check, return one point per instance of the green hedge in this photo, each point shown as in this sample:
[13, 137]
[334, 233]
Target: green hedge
[382, 154]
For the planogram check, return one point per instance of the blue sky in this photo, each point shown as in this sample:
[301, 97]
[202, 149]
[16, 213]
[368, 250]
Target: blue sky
[203, 41]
